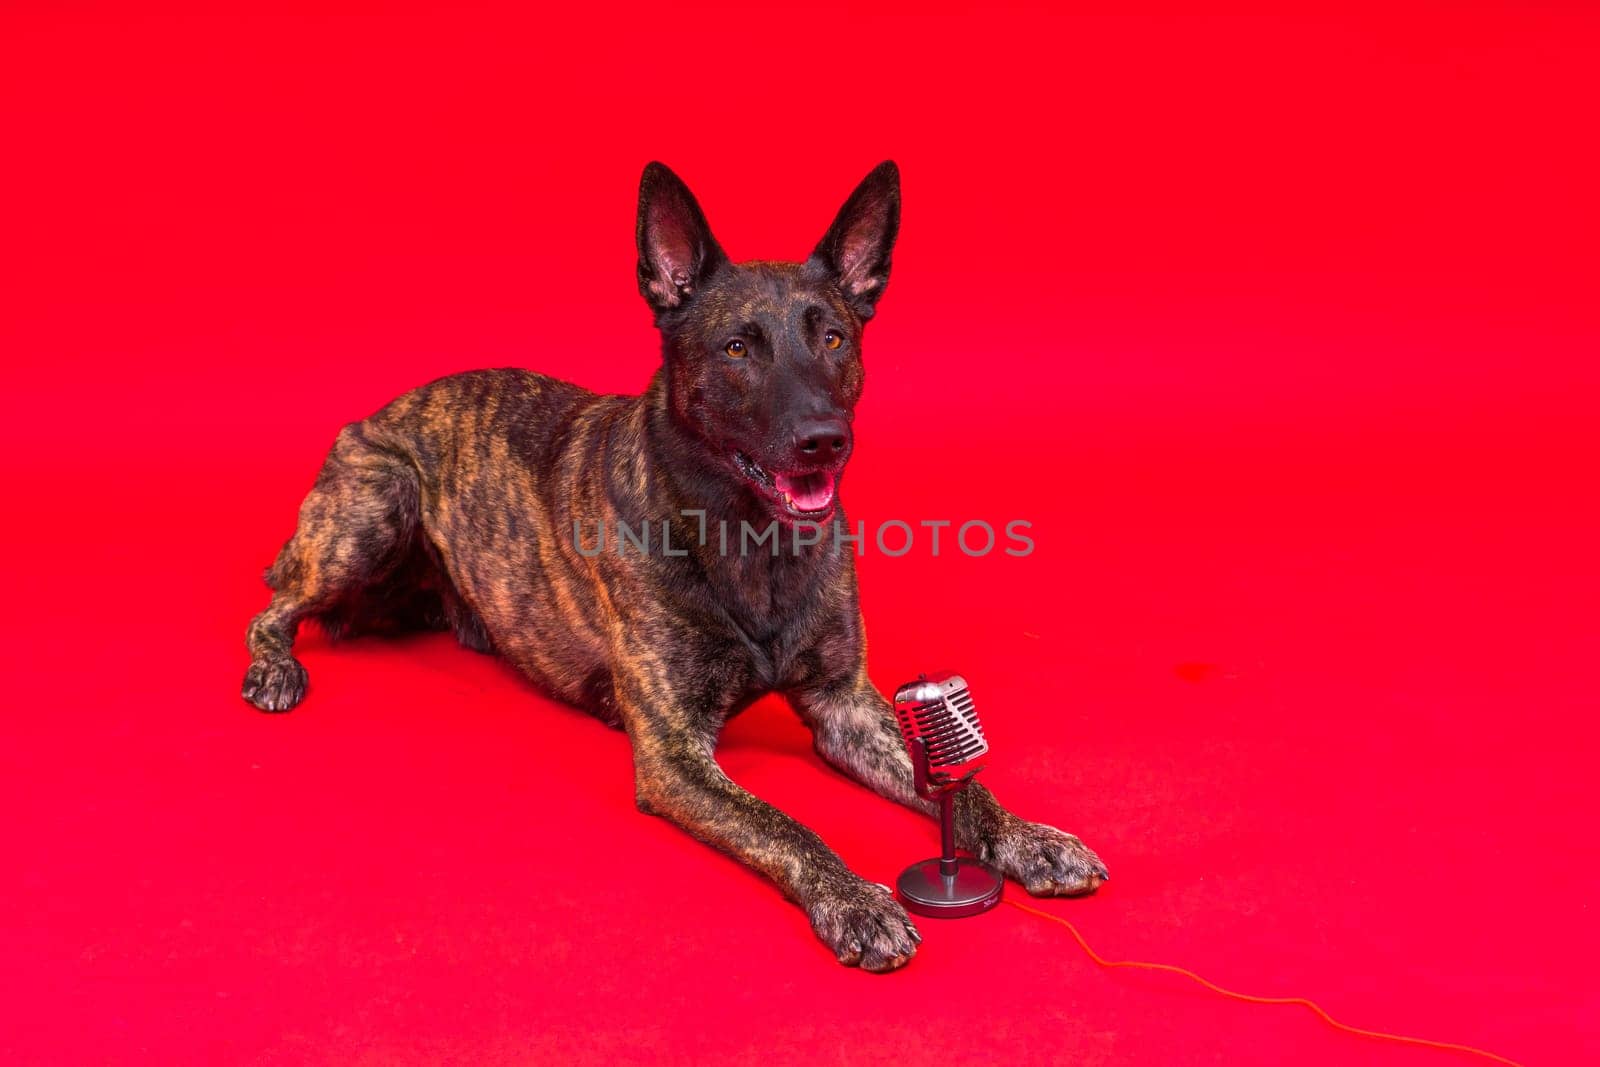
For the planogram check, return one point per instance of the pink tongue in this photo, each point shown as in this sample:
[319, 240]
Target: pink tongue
[807, 492]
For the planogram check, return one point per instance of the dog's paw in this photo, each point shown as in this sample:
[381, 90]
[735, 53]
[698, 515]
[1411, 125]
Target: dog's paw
[865, 927]
[1048, 862]
[275, 684]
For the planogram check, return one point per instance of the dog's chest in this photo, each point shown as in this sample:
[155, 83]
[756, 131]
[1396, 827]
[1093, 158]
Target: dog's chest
[772, 610]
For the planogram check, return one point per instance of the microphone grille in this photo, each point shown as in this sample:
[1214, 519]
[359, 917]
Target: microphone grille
[938, 710]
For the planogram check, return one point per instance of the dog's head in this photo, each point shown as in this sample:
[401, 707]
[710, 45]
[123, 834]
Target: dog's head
[764, 359]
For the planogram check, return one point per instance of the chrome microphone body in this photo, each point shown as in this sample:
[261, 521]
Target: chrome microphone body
[940, 727]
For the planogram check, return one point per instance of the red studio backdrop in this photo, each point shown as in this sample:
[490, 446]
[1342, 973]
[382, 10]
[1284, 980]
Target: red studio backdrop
[1279, 328]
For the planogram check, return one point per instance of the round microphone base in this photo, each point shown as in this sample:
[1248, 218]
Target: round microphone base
[973, 889]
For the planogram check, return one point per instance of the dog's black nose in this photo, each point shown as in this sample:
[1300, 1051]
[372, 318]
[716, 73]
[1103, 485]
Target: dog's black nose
[822, 440]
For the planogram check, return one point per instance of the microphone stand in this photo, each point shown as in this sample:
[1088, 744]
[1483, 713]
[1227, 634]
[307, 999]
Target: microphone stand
[947, 886]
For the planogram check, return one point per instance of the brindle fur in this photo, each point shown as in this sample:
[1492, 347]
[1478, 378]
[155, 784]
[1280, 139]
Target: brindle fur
[454, 508]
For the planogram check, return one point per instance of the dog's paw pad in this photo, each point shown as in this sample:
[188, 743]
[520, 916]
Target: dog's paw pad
[1047, 861]
[866, 928]
[275, 684]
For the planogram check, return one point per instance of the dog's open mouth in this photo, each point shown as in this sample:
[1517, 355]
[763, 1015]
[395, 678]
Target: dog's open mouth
[803, 494]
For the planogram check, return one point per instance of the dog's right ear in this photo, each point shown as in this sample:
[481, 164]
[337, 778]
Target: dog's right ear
[676, 249]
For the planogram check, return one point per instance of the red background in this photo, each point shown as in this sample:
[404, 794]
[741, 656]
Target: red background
[1280, 330]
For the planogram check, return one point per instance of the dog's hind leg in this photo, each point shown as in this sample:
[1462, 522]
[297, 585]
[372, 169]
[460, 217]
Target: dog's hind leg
[355, 525]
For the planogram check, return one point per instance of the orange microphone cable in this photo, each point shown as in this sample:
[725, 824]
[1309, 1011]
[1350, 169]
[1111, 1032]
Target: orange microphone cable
[1316, 1008]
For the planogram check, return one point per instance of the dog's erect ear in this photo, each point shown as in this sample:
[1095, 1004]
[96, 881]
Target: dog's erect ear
[676, 249]
[857, 247]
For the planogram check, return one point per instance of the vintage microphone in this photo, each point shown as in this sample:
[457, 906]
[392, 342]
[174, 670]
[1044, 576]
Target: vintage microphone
[944, 738]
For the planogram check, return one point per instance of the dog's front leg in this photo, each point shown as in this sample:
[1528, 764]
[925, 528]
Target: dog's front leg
[677, 778]
[855, 730]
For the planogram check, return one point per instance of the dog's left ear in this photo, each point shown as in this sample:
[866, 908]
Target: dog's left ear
[856, 250]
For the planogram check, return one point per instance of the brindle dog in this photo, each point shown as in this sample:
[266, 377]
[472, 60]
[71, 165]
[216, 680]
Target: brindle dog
[458, 506]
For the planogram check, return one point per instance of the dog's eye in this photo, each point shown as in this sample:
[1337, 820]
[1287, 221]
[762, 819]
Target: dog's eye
[736, 349]
[832, 341]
